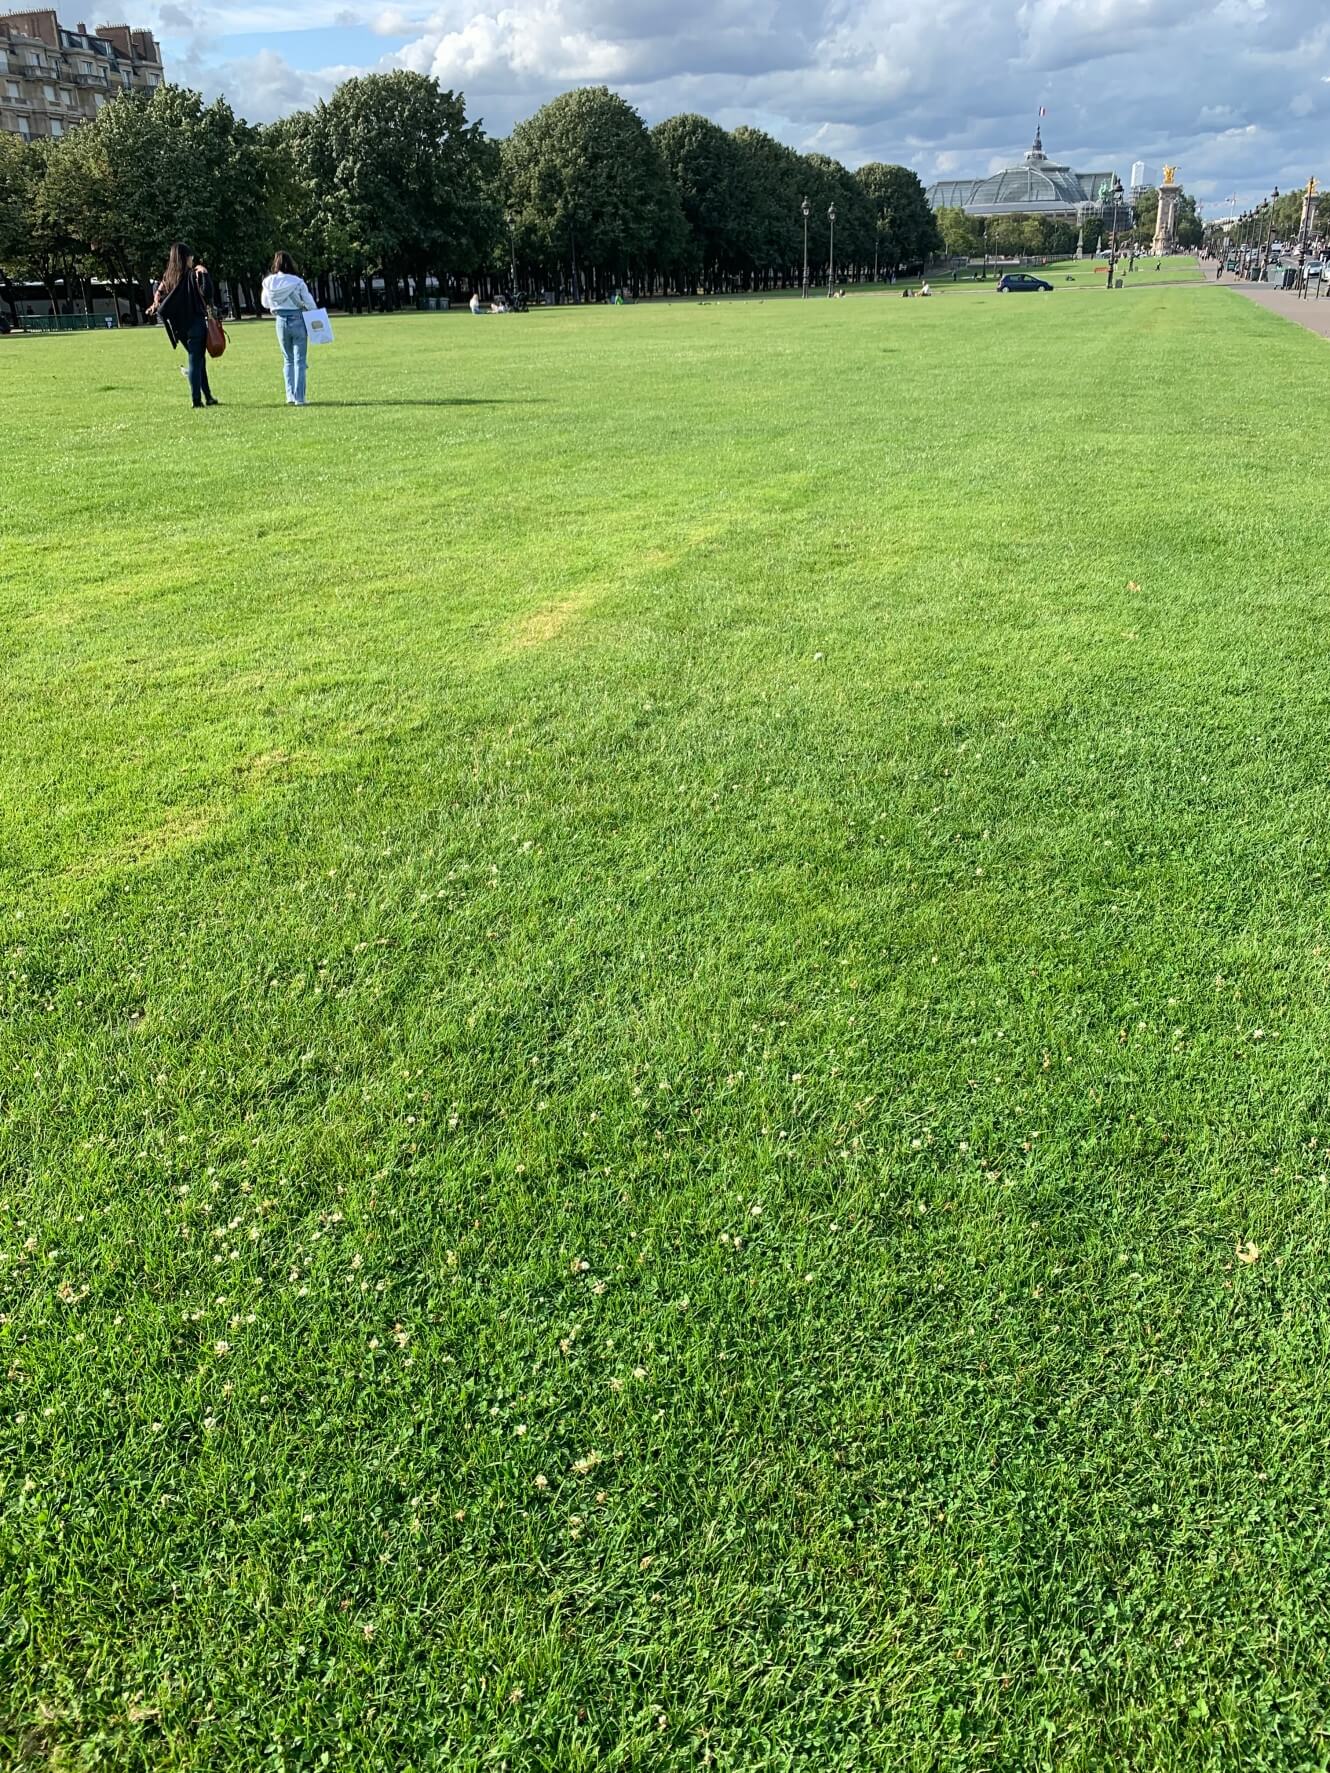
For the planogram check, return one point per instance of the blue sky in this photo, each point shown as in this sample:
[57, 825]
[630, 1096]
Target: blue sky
[1236, 92]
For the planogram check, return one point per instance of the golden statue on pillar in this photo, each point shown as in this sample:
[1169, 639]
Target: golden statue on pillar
[1166, 216]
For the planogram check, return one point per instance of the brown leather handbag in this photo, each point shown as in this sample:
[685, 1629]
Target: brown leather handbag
[216, 342]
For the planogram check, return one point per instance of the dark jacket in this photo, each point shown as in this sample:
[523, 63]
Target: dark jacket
[186, 304]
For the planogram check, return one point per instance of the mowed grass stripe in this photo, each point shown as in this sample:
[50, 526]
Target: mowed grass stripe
[648, 1028]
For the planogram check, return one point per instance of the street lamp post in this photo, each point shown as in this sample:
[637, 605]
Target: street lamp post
[1115, 192]
[831, 255]
[806, 210]
[1269, 233]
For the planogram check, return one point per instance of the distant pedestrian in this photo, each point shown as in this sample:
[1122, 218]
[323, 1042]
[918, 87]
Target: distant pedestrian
[180, 302]
[286, 297]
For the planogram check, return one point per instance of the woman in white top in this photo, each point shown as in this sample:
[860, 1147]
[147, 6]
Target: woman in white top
[287, 298]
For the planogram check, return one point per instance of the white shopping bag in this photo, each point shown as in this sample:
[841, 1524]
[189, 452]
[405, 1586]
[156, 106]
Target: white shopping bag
[318, 327]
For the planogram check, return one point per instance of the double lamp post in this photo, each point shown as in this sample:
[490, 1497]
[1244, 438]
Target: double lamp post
[806, 209]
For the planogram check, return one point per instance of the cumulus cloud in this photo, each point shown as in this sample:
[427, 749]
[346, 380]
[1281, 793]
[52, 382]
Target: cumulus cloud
[1234, 91]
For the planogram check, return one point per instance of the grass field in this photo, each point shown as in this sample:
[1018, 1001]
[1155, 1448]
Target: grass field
[664, 1043]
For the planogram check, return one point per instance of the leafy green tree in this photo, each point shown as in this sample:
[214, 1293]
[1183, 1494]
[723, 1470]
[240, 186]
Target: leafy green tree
[392, 178]
[1004, 235]
[774, 182]
[19, 177]
[906, 232]
[960, 233]
[1190, 228]
[828, 182]
[708, 172]
[155, 167]
[587, 186]
[53, 252]
[298, 218]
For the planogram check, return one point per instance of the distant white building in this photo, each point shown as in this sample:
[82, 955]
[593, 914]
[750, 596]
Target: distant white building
[1137, 175]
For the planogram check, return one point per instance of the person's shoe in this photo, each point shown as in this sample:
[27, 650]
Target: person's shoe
[212, 400]
[300, 403]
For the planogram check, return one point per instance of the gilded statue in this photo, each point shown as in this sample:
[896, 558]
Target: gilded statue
[1170, 174]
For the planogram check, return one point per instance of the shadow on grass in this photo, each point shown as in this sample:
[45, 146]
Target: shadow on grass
[459, 401]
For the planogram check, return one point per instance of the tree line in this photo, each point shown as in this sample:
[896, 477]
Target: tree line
[386, 191]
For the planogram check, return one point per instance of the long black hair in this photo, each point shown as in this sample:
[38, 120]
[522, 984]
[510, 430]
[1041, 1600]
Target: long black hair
[177, 269]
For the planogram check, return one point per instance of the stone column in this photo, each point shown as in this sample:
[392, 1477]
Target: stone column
[1166, 222]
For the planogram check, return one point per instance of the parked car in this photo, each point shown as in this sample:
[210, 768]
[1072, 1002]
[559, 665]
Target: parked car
[1020, 280]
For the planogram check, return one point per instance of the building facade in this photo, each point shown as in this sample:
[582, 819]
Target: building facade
[1037, 186]
[52, 79]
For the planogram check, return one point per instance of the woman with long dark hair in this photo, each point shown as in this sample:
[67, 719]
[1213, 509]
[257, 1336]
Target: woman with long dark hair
[181, 304]
[286, 296]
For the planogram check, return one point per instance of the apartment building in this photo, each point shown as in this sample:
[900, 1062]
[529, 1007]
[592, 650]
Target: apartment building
[52, 79]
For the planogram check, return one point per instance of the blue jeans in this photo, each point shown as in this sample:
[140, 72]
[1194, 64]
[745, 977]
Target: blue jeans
[294, 341]
[196, 350]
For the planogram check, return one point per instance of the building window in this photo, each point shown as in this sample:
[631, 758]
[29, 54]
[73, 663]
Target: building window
[48, 93]
[57, 128]
[23, 128]
[13, 89]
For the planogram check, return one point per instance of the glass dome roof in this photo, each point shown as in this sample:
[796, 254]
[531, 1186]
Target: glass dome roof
[1038, 186]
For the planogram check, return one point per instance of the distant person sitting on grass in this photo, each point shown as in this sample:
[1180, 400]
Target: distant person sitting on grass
[924, 289]
[286, 297]
[180, 302]
[475, 304]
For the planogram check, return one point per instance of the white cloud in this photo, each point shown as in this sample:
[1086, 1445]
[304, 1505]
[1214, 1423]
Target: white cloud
[1234, 91]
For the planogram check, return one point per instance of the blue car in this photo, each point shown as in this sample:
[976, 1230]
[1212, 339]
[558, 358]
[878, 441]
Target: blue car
[1019, 280]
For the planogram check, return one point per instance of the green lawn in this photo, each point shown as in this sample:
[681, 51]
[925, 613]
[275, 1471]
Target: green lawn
[663, 1044]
